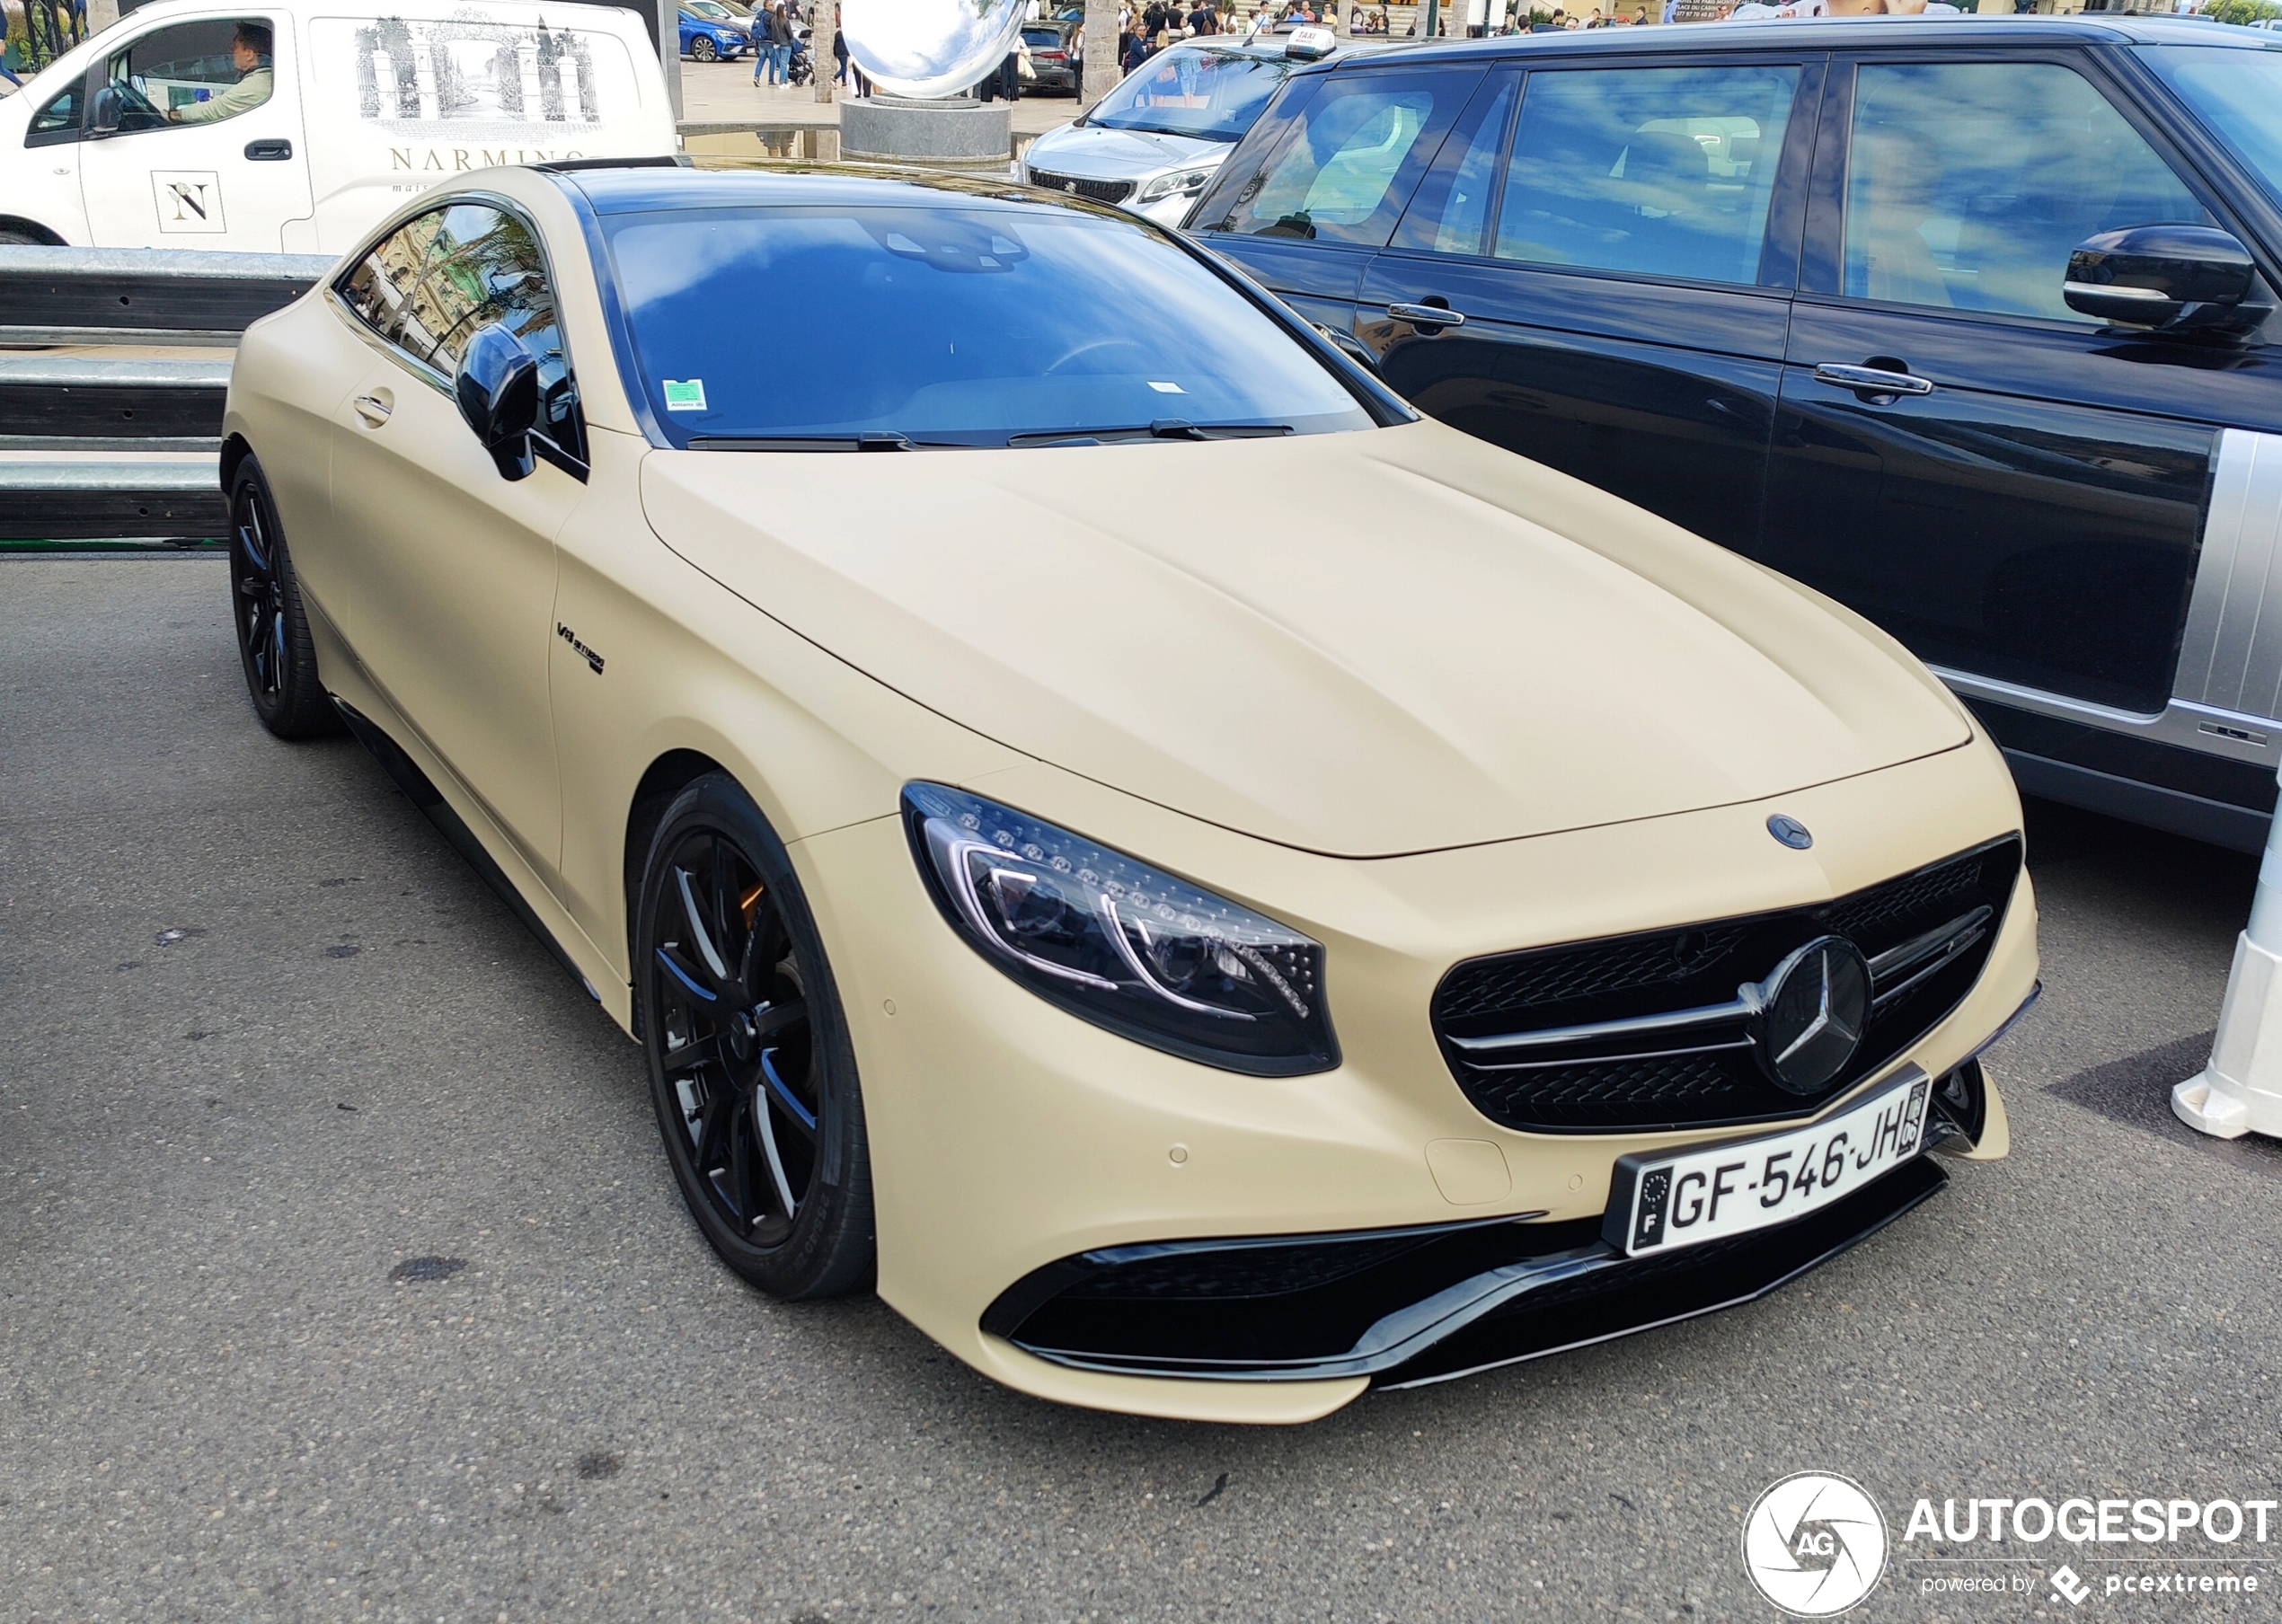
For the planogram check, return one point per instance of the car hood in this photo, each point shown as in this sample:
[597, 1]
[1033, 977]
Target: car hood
[1361, 644]
[1093, 154]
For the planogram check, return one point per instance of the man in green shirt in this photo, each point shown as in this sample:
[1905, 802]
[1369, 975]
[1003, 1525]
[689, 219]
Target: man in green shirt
[250, 55]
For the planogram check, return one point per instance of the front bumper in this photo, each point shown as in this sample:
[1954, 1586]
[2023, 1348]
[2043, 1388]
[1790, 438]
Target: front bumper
[1406, 1307]
[1008, 1138]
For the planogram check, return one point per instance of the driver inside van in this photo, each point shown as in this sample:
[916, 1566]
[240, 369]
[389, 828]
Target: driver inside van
[250, 55]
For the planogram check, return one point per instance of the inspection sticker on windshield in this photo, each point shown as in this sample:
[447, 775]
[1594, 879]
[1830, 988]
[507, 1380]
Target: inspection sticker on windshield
[685, 394]
[1166, 388]
[1661, 1201]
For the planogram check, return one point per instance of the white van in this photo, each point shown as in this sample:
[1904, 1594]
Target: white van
[292, 126]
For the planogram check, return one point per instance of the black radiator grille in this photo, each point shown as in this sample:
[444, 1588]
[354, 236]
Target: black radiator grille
[1098, 191]
[1934, 928]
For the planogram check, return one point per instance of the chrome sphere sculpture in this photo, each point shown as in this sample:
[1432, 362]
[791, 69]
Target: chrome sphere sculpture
[930, 47]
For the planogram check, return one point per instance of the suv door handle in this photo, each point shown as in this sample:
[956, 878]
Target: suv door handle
[1434, 317]
[275, 149]
[1871, 380]
[372, 408]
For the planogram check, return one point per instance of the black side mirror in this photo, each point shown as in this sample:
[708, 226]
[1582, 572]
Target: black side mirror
[2171, 279]
[106, 110]
[497, 391]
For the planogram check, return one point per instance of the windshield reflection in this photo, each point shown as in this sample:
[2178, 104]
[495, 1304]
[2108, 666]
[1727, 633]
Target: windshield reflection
[966, 325]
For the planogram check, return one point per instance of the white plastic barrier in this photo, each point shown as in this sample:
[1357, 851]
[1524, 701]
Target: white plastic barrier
[2241, 1091]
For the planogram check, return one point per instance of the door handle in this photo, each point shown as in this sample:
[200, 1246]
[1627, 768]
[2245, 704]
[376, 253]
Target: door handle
[373, 410]
[275, 149]
[1871, 380]
[1432, 318]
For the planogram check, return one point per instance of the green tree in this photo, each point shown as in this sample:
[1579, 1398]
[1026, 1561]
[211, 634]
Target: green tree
[2243, 11]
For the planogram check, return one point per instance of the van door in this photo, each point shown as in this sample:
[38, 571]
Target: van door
[1619, 312]
[193, 138]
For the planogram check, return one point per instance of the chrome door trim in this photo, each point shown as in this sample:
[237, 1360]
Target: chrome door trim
[2231, 656]
[2206, 730]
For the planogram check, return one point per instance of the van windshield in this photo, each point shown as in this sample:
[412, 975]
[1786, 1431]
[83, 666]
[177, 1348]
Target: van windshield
[1213, 96]
[965, 324]
[2237, 96]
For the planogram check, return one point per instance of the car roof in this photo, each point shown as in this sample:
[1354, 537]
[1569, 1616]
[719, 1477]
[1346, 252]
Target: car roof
[1848, 33]
[639, 187]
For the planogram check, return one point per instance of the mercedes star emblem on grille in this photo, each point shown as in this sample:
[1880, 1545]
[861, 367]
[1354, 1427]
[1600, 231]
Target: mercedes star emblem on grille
[1817, 1003]
[1790, 832]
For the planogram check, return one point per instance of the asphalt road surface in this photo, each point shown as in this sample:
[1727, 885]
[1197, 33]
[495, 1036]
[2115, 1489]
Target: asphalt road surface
[265, 1039]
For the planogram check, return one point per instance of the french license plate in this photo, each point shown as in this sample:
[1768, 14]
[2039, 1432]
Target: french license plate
[1664, 1200]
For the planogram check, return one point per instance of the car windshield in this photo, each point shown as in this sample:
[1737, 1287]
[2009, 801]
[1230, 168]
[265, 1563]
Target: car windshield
[1213, 95]
[965, 324]
[2237, 95]
[709, 11]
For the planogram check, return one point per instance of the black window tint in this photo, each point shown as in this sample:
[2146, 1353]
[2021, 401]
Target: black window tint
[1343, 173]
[56, 121]
[1969, 184]
[1666, 171]
[1451, 212]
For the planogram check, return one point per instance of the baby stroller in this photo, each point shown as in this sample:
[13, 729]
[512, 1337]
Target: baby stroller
[800, 68]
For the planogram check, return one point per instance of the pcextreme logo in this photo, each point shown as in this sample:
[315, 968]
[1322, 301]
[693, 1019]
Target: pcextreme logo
[1814, 1544]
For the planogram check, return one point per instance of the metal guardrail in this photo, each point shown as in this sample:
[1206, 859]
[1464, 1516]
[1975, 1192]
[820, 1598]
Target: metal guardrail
[123, 447]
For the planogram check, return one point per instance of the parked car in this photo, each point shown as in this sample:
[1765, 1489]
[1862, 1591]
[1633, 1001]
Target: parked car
[117, 144]
[1243, 891]
[713, 38]
[1965, 323]
[1048, 43]
[736, 15]
[1152, 143]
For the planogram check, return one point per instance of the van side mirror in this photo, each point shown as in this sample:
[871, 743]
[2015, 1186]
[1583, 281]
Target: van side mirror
[104, 113]
[497, 391]
[2168, 278]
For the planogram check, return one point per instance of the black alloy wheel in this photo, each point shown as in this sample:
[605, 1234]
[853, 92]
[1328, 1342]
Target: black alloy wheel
[750, 1064]
[704, 49]
[274, 645]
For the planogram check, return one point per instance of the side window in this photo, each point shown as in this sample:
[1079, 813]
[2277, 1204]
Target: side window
[441, 278]
[1666, 171]
[58, 121]
[1451, 212]
[1346, 170]
[1969, 184]
[191, 72]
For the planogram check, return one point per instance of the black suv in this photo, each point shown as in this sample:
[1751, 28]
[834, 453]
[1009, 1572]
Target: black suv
[1968, 324]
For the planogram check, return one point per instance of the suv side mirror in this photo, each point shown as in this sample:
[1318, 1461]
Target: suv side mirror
[2170, 278]
[497, 391]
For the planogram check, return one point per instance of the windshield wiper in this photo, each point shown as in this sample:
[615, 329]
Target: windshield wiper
[806, 442]
[1163, 428]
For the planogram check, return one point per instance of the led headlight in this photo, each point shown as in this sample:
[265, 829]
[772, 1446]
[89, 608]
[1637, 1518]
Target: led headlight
[1183, 183]
[1120, 944]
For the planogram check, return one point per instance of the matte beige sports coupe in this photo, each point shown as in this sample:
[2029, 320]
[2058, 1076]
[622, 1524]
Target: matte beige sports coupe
[1214, 891]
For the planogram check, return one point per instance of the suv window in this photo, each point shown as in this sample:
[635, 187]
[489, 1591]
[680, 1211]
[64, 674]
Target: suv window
[1344, 171]
[441, 278]
[1664, 171]
[1451, 212]
[1969, 183]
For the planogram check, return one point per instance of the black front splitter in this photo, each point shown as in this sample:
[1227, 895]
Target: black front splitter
[1407, 1307]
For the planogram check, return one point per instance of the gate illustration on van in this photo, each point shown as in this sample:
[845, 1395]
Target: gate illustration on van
[424, 73]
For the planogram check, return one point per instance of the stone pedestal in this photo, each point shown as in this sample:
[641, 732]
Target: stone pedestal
[956, 132]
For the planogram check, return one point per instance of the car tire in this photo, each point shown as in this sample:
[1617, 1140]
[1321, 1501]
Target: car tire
[704, 49]
[275, 649]
[751, 1067]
